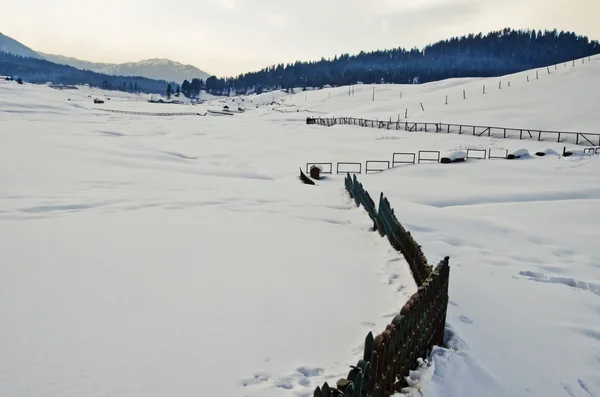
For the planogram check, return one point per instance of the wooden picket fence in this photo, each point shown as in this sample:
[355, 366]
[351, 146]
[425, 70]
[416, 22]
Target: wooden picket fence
[579, 138]
[390, 356]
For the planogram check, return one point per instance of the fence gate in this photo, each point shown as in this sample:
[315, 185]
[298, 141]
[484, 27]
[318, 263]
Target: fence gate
[429, 157]
[396, 160]
[371, 166]
[477, 153]
[347, 171]
[323, 171]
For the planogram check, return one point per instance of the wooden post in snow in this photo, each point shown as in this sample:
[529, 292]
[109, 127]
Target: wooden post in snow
[446, 100]
[500, 85]
[406, 113]
[484, 88]
[537, 75]
[528, 79]
[422, 106]
[373, 94]
[464, 94]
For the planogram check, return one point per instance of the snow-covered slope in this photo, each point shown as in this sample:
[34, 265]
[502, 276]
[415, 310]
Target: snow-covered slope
[181, 255]
[540, 103]
[12, 46]
[159, 69]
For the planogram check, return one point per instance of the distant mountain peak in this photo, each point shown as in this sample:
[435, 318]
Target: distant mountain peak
[12, 46]
[153, 68]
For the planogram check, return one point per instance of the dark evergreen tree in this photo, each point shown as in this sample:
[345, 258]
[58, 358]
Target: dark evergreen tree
[185, 88]
[475, 55]
[178, 90]
[169, 91]
[211, 84]
[37, 71]
[195, 87]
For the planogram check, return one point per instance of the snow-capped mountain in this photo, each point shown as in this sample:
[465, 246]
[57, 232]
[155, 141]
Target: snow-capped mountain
[12, 46]
[159, 69]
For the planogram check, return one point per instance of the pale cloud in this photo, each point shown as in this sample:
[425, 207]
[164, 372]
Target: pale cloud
[227, 37]
[276, 20]
[226, 4]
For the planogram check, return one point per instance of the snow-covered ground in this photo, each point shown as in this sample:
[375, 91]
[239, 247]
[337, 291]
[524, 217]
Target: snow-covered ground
[152, 256]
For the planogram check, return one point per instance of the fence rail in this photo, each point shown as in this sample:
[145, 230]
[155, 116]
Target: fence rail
[579, 138]
[427, 156]
[390, 356]
[149, 114]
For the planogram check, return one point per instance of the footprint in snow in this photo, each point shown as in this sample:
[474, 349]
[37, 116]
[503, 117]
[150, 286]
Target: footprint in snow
[257, 379]
[309, 372]
[392, 277]
[465, 319]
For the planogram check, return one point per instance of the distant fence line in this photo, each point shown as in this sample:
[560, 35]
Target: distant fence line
[429, 156]
[418, 157]
[579, 138]
[149, 114]
[390, 356]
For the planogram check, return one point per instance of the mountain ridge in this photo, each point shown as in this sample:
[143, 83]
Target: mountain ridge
[153, 68]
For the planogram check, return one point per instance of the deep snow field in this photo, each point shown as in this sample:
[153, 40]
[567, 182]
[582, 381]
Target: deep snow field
[181, 256]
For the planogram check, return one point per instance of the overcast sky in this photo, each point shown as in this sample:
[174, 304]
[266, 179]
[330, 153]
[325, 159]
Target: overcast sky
[227, 37]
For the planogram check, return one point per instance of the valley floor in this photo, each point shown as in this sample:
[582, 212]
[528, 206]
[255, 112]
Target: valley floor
[152, 256]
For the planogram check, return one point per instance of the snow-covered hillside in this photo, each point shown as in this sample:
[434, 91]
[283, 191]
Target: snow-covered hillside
[181, 255]
[155, 68]
[159, 69]
[12, 46]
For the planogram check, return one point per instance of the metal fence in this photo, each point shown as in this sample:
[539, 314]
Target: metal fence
[423, 156]
[579, 138]
[390, 356]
